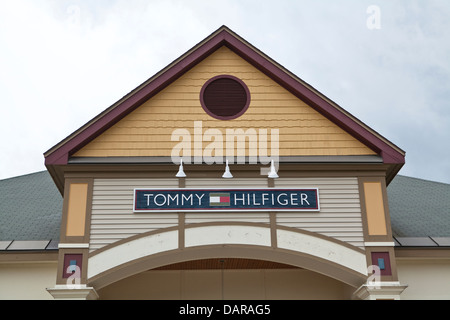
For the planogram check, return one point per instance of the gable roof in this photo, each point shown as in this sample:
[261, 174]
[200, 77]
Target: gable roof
[61, 153]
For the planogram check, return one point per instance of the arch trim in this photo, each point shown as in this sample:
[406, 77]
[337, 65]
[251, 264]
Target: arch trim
[240, 240]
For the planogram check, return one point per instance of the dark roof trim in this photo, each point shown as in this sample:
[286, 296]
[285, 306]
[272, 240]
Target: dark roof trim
[282, 159]
[60, 154]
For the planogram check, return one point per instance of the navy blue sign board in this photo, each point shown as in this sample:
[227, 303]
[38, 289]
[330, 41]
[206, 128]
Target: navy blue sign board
[208, 200]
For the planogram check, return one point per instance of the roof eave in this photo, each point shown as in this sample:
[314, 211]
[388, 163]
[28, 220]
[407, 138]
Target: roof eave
[60, 153]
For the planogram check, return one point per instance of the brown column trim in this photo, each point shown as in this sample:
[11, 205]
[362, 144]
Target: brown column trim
[273, 229]
[393, 264]
[181, 217]
[378, 238]
[87, 227]
[181, 229]
[367, 236]
[181, 183]
[84, 267]
[273, 219]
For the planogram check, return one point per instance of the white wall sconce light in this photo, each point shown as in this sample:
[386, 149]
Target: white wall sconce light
[181, 173]
[272, 173]
[227, 174]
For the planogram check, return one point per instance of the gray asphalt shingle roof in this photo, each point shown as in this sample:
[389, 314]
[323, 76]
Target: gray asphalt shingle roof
[419, 208]
[31, 207]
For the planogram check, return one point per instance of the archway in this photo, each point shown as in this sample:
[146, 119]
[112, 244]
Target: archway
[297, 248]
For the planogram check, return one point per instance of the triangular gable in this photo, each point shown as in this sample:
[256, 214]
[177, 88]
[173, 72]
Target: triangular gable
[273, 114]
[60, 154]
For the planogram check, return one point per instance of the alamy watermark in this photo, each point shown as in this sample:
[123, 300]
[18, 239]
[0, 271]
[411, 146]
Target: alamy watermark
[74, 280]
[237, 145]
[374, 280]
[373, 21]
[73, 16]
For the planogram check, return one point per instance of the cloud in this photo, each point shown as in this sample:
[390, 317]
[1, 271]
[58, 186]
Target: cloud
[63, 62]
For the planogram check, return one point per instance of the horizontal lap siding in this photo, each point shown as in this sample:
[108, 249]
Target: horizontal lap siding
[340, 210]
[112, 216]
[339, 217]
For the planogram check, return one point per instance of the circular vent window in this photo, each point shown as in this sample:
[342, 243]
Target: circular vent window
[225, 97]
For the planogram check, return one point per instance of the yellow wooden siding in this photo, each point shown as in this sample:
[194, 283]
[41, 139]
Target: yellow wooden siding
[147, 131]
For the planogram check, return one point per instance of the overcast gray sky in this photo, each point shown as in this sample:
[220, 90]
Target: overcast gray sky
[63, 62]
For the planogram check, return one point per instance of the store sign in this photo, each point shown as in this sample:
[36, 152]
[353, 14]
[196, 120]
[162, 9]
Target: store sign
[176, 200]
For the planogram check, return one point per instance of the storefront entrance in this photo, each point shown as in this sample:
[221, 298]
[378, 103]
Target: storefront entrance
[227, 279]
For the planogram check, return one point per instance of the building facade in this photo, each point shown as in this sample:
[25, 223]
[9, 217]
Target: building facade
[225, 176]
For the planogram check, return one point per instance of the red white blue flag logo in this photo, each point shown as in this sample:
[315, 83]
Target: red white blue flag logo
[219, 199]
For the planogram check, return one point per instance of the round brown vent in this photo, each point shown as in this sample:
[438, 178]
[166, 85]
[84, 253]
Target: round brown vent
[225, 97]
